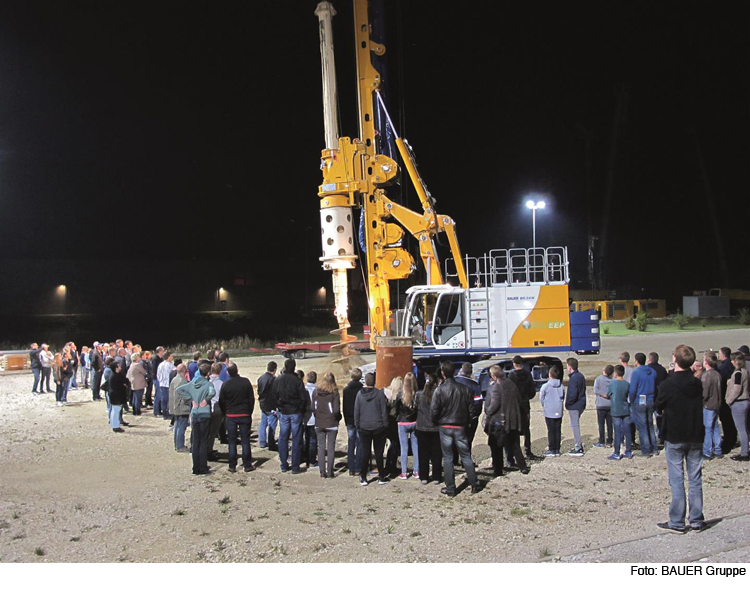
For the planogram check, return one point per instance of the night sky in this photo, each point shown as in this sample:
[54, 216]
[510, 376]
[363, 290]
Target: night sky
[164, 130]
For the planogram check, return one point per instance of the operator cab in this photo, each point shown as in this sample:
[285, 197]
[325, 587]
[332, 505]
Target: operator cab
[435, 317]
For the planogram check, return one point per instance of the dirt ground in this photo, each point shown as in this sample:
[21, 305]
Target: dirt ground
[71, 490]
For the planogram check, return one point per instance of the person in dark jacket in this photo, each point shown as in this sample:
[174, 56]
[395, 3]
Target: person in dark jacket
[97, 369]
[147, 362]
[268, 407]
[524, 381]
[504, 420]
[428, 436]
[575, 403]
[464, 377]
[118, 396]
[237, 402]
[350, 397]
[294, 406]
[661, 375]
[726, 369]
[326, 405]
[451, 411]
[711, 381]
[371, 420]
[680, 398]
[36, 368]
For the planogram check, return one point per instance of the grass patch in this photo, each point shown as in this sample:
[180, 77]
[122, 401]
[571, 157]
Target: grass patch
[544, 552]
[415, 534]
[518, 512]
[225, 500]
[179, 512]
[75, 539]
[666, 325]
[39, 551]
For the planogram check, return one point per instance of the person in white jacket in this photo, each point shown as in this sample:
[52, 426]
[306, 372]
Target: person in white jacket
[552, 397]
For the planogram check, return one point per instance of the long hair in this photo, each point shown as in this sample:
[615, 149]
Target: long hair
[429, 388]
[392, 391]
[57, 361]
[409, 389]
[328, 383]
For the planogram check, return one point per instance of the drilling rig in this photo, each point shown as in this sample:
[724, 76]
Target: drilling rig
[518, 301]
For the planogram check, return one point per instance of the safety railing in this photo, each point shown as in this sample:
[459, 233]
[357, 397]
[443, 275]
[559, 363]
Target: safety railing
[515, 266]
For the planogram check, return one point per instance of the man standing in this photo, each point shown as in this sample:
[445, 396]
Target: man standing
[350, 398]
[161, 404]
[147, 363]
[268, 407]
[504, 422]
[451, 410]
[624, 361]
[661, 375]
[36, 367]
[575, 403]
[97, 369]
[371, 420]
[680, 398]
[524, 381]
[294, 405]
[216, 415]
[45, 360]
[642, 393]
[726, 369]
[199, 393]
[237, 402]
[711, 381]
[464, 377]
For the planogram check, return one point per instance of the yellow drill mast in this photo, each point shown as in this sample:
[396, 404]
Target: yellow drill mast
[354, 175]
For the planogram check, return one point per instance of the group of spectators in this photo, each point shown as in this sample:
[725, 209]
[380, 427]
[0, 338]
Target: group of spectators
[696, 409]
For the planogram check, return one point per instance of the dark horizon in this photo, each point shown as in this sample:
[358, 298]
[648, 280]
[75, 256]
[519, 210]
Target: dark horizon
[135, 135]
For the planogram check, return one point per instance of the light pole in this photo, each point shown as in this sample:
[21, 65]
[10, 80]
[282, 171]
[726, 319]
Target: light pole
[62, 291]
[533, 206]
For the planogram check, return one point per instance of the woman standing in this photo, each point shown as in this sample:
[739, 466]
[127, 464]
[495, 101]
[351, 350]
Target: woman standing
[137, 377]
[428, 434]
[327, 410]
[406, 416]
[56, 369]
[394, 449]
[46, 358]
[67, 373]
[738, 399]
[118, 395]
[106, 376]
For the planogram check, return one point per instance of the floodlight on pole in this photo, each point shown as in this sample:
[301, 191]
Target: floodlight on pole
[533, 206]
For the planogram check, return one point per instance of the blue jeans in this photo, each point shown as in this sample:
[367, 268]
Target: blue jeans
[64, 391]
[267, 429]
[643, 417]
[180, 426]
[406, 432]
[243, 424]
[712, 437]
[161, 402]
[290, 424]
[85, 373]
[447, 438]
[622, 429]
[352, 449]
[692, 456]
[114, 415]
[37, 371]
[137, 400]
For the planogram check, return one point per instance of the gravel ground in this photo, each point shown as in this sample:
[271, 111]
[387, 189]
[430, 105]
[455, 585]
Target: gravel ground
[71, 490]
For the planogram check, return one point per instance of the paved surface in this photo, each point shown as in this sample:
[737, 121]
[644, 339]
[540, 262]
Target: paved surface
[726, 540]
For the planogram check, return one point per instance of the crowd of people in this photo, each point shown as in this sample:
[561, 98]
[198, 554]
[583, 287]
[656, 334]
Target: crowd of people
[695, 410]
